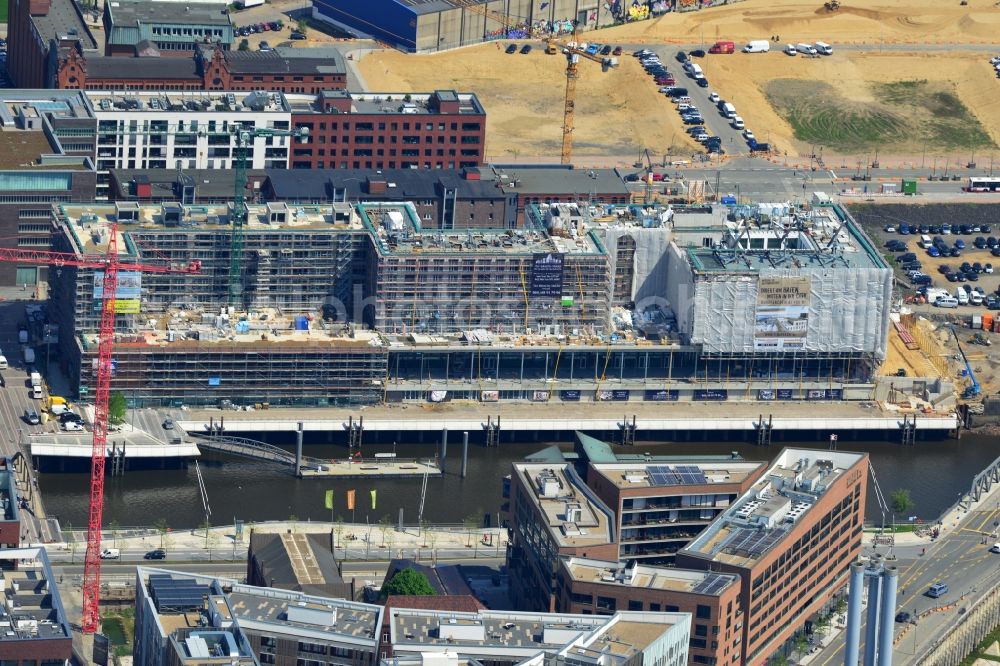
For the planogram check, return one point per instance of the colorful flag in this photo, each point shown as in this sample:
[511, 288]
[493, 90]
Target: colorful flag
[329, 499]
[373, 499]
[350, 500]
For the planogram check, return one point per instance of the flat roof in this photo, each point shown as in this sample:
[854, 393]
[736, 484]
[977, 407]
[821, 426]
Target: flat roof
[572, 513]
[677, 475]
[130, 13]
[397, 230]
[333, 617]
[123, 67]
[763, 516]
[195, 101]
[400, 184]
[824, 238]
[21, 149]
[91, 222]
[33, 611]
[389, 103]
[287, 60]
[551, 179]
[62, 21]
[602, 572]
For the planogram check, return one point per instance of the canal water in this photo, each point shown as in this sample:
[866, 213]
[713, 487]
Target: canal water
[935, 472]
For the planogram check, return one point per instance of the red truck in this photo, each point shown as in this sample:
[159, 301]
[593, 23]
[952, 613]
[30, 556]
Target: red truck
[723, 47]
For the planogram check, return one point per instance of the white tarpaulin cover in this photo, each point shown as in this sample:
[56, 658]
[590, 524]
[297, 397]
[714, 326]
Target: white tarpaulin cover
[848, 310]
[649, 261]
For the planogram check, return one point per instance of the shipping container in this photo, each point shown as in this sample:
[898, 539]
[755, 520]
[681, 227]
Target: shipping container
[908, 187]
[988, 321]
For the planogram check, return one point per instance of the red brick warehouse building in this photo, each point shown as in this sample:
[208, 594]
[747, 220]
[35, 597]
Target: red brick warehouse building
[439, 130]
[282, 69]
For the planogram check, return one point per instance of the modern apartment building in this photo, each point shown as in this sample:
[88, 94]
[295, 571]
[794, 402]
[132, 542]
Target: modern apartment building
[553, 514]
[180, 615]
[47, 140]
[264, 625]
[440, 130]
[600, 587]
[790, 538]
[34, 628]
[661, 506]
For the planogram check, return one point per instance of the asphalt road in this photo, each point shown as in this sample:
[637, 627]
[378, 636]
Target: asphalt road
[960, 559]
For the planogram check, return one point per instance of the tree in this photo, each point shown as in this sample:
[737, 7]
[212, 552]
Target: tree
[840, 605]
[384, 523]
[116, 408]
[821, 625]
[901, 502]
[302, 25]
[424, 524]
[338, 532]
[408, 581]
[779, 660]
[244, 45]
[471, 522]
[162, 527]
[800, 644]
[116, 529]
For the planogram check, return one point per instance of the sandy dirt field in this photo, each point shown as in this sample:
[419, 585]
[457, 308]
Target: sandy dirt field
[618, 112]
[857, 22]
[743, 80]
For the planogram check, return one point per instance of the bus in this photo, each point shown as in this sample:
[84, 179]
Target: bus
[983, 184]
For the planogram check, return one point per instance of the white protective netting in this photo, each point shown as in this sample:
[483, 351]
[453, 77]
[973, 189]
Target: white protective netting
[848, 310]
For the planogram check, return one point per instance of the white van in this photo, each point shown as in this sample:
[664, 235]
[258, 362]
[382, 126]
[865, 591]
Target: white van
[806, 49]
[790, 50]
[946, 302]
[962, 296]
[757, 46]
[976, 298]
[728, 110]
[3, 362]
[823, 48]
[36, 392]
[926, 242]
[695, 71]
[738, 123]
[111, 554]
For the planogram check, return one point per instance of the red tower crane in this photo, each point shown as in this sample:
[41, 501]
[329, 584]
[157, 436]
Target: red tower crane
[111, 265]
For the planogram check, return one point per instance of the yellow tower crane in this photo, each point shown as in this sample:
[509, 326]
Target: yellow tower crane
[573, 54]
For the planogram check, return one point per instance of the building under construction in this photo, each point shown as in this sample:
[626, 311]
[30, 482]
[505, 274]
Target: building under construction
[504, 281]
[357, 304]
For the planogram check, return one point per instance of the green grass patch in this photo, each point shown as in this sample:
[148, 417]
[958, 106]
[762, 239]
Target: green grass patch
[907, 116]
[3, 10]
[980, 651]
[119, 627]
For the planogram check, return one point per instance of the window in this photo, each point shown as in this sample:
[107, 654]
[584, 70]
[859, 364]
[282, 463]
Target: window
[703, 612]
[634, 605]
[700, 630]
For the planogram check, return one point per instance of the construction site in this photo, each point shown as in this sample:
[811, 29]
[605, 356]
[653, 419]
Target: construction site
[339, 305]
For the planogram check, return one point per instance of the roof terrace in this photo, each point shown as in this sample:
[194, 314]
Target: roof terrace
[689, 473]
[759, 520]
[586, 570]
[572, 513]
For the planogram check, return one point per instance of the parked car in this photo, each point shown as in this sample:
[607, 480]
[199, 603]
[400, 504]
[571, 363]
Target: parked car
[264, 47]
[681, 56]
[157, 554]
[960, 244]
[702, 82]
[31, 417]
[617, 51]
[511, 48]
[296, 35]
[111, 554]
[72, 426]
[903, 617]
[713, 97]
[66, 417]
[748, 135]
[697, 53]
[995, 548]
[168, 424]
[988, 268]
[526, 49]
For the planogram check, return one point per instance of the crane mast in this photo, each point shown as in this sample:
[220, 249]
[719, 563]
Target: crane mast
[111, 265]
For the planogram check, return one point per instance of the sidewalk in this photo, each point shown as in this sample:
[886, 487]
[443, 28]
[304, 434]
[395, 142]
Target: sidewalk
[376, 537]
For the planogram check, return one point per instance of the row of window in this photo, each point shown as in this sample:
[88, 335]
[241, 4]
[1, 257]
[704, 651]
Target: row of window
[369, 164]
[367, 152]
[367, 126]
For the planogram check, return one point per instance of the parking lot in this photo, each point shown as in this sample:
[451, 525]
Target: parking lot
[938, 268]
[716, 124]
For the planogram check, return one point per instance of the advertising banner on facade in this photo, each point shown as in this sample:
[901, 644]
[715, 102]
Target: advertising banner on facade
[126, 295]
[546, 275]
[782, 314]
